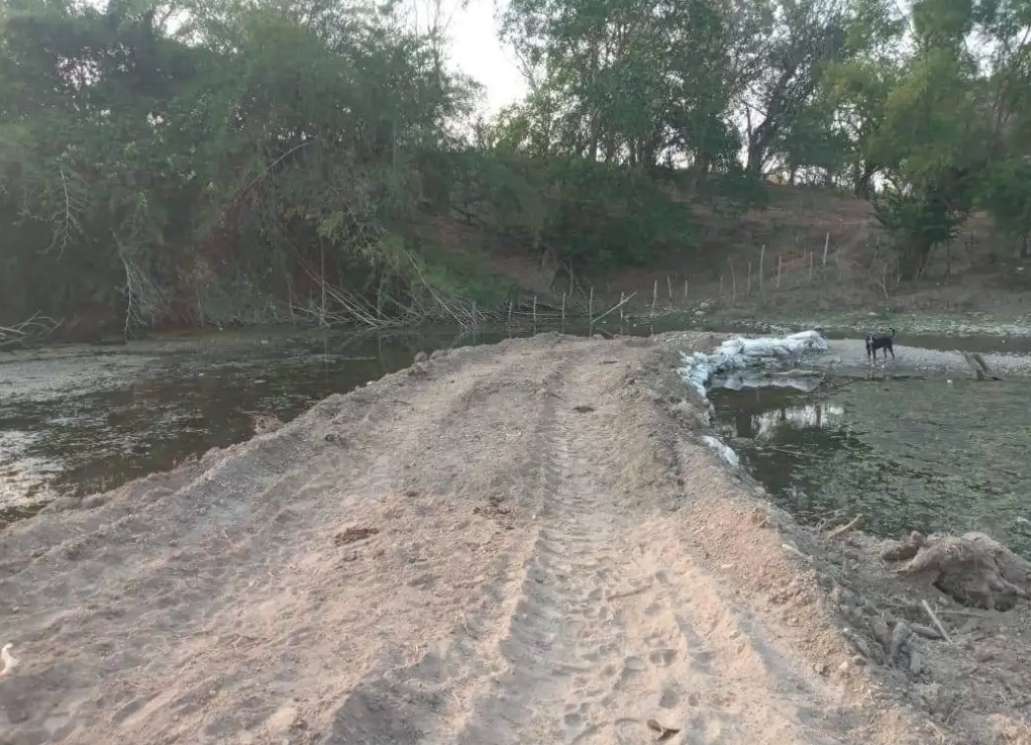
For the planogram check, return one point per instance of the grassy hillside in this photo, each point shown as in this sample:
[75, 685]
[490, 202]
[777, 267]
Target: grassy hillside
[976, 271]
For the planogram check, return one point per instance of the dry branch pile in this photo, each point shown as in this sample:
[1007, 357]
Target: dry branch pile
[35, 330]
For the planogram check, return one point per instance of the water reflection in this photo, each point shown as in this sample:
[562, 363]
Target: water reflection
[767, 425]
[908, 454]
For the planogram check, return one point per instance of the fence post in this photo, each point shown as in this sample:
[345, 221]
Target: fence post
[762, 268]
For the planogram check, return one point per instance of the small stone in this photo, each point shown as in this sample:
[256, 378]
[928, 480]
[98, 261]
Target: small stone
[984, 655]
[917, 661]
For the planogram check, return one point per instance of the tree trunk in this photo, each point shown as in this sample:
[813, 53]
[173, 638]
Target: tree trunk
[756, 156]
[862, 185]
[914, 258]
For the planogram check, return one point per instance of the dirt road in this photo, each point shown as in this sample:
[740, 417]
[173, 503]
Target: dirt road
[511, 544]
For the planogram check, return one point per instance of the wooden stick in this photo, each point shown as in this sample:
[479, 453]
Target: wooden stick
[812, 253]
[623, 301]
[620, 306]
[979, 366]
[563, 309]
[685, 290]
[655, 296]
[669, 288]
[937, 623]
[510, 311]
[721, 287]
[733, 282]
[826, 245]
[780, 267]
[762, 267]
[842, 529]
[322, 260]
[590, 305]
[534, 310]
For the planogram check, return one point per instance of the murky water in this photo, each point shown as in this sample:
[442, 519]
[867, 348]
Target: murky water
[78, 420]
[907, 454]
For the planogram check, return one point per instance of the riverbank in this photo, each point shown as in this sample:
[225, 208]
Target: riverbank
[521, 543]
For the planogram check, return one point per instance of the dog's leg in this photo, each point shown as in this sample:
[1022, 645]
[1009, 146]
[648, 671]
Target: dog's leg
[890, 348]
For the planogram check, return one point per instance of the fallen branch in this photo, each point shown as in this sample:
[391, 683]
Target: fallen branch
[617, 306]
[791, 549]
[979, 366]
[26, 333]
[842, 529]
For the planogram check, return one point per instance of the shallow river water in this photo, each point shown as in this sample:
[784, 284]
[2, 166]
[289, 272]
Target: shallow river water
[909, 452]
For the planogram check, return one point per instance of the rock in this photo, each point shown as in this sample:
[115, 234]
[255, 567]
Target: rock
[421, 357]
[881, 631]
[860, 644]
[917, 661]
[93, 501]
[899, 652]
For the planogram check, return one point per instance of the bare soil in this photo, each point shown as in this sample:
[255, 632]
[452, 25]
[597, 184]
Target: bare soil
[525, 543]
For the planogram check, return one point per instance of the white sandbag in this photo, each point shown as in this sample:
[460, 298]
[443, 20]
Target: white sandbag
[737, 356]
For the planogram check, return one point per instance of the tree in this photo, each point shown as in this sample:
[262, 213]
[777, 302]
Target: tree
[1007, 197]
[932, 139]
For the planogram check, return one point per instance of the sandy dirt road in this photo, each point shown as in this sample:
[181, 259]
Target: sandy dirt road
[510, 544]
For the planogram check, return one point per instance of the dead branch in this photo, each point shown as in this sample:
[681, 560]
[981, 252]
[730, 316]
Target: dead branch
[979, 366]
[842, 529]
[32, 331]
[937, 623]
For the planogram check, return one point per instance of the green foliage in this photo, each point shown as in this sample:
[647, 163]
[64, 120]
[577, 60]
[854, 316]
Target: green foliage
[585, 214]
[1007, 197]
[135, 155]
[154, 155]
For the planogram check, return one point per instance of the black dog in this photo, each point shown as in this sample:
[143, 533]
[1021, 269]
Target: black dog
[880, 341]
